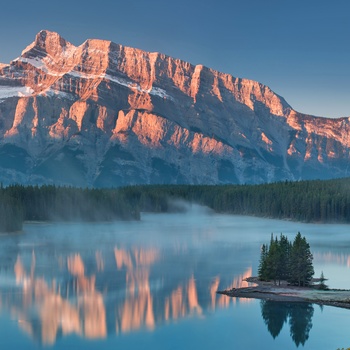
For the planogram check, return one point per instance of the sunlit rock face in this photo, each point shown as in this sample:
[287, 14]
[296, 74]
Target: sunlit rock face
[101, 114]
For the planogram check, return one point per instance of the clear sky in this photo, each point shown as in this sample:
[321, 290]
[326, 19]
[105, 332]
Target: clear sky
[299, 48]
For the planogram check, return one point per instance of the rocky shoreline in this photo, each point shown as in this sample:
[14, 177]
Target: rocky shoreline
[287, 293]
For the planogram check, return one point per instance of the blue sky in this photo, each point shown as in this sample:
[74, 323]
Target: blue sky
[300, 49]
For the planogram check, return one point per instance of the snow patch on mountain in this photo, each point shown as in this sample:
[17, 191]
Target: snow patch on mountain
[50, 92]
[35, 62]
[12, 91]
[156, 91]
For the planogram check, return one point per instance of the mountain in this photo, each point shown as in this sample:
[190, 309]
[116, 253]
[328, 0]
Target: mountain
[102, 114]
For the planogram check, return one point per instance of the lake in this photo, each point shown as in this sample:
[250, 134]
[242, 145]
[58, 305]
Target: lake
[152, 285]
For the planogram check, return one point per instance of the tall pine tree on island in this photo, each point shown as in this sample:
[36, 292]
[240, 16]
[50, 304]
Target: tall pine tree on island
[284, 266]
[282, 260]
[262, 270]
[301, 268]
[274, 260]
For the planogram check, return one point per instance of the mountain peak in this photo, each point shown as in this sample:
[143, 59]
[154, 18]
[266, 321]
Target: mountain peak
[45, 36]
[46, 42]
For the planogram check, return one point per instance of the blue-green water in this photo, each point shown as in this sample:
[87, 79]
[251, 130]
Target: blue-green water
[152, 284]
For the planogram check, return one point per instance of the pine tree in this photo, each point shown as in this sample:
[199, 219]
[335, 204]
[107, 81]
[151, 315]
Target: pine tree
[301, 268]
[322, 285]
[284, 262]
[273, 260]
[262, 270]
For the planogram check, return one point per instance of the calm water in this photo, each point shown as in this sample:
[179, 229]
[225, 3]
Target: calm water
[152, 284]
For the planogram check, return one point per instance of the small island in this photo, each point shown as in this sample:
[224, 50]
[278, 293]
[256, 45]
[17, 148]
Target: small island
[286, 274]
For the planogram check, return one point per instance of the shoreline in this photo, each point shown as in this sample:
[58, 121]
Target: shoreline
[285, 293]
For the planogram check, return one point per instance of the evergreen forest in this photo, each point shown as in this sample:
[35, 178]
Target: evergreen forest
[284, 260]
[50, 203]
[307, 201]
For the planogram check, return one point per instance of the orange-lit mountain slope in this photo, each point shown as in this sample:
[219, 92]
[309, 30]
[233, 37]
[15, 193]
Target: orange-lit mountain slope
[102, 114]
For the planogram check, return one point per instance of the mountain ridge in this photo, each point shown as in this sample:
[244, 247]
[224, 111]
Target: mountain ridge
[110, 115]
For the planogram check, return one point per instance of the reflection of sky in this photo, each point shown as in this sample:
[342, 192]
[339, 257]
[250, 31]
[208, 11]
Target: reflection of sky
[124, 278]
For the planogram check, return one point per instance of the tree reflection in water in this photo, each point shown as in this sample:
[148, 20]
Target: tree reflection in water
[299, 315]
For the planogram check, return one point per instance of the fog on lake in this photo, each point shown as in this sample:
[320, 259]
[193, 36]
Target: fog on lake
[152, 284]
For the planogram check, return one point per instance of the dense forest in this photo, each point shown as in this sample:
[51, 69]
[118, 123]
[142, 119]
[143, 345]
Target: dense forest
[49, 203]
[309, 201]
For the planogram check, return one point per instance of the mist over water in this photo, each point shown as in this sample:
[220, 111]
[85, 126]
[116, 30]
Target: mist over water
[136, 284]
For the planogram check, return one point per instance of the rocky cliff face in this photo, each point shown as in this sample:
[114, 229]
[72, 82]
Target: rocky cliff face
[102, 114]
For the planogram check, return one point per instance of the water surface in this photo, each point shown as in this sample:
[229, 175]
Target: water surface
[152, 284]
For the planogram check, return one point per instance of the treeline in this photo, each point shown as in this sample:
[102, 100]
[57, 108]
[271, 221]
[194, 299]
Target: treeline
[307, 201]
[284, 260]
[50, 203]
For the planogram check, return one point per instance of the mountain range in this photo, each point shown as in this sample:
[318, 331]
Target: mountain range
[105, 115]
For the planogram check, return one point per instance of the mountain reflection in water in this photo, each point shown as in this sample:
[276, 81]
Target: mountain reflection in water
[329, 257]
[68, 300]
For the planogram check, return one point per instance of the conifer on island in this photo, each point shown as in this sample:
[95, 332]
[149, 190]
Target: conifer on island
[283, 260]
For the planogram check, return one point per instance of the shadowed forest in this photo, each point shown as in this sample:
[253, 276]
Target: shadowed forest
[307, 201]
